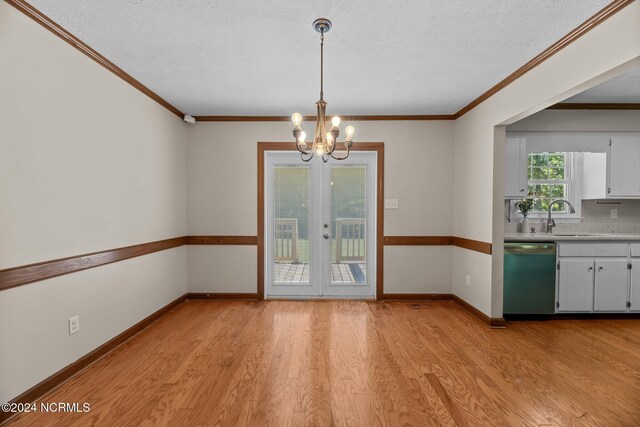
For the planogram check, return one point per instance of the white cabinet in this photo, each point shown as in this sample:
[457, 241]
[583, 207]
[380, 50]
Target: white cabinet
[594, 277]
[575, 285]
[594, 176]
[623, 169]
[515, 174]
[635, 278]
[611, 285]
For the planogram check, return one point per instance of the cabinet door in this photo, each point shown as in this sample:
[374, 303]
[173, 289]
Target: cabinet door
[515, 175]
[611, 285]
[575, 285]
[635, 285]
[623, 170]
[594, 176]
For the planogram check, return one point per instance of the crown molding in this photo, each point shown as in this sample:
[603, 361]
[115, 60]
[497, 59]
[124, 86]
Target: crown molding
[593, 106]
[387, 117]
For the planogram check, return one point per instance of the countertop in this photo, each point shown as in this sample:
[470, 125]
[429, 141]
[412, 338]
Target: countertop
[570, 237]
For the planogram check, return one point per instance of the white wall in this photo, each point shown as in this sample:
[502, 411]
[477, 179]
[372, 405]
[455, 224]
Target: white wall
[583, 64]
[87, 163]
[222, 200]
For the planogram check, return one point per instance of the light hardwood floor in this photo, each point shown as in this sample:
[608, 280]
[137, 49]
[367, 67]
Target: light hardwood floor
[324, 363]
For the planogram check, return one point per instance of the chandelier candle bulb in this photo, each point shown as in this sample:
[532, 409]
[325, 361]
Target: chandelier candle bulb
[350, 130]
[296, 118]
[335, 121]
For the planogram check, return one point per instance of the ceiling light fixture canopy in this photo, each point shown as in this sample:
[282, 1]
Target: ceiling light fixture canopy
[324, 143]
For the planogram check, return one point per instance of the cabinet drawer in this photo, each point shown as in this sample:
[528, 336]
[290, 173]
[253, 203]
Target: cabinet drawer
[635, 249]
[579, 249]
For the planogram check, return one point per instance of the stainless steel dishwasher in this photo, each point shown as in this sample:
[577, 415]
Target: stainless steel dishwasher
[529, 278]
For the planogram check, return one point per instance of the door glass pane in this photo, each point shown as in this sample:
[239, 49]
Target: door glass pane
[291, 224]
[348, 223]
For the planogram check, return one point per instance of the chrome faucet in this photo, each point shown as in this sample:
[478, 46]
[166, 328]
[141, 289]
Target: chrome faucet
[550, 222]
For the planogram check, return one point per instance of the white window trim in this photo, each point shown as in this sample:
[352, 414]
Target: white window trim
[573, 167]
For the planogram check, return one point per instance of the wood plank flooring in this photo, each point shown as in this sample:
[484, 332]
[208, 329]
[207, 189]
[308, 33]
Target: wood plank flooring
[358, 363]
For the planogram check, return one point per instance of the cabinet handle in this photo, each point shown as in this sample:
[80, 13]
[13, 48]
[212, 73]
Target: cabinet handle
[590, 268]
[522, 190]
[599, 268]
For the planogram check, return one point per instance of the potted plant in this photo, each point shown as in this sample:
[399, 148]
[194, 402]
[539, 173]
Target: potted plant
[524, 206]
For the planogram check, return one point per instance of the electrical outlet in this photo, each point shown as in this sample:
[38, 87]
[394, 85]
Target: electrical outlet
[614, 213]
[467, 280]
[74, 325]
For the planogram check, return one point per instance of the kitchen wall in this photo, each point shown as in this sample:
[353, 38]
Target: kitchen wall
[604, 52]
[222, 200]
[87, 163]
[596, 216]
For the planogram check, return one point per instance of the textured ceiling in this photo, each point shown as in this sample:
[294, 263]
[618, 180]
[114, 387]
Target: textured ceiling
[261, 57]
[624, 89]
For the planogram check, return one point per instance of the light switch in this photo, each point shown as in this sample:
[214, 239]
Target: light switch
[391, 203]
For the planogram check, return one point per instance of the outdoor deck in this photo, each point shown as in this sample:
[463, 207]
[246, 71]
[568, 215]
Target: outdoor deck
[340, 273]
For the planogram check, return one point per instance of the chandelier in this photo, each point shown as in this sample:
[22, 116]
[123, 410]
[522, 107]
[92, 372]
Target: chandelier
[324, 143]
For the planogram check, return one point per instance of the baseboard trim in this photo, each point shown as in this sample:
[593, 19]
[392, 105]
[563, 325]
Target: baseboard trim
[492, 322]
[54, 381]
[224, 296]
[417, 297]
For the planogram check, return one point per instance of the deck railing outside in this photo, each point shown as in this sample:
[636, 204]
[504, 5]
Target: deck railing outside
[350, 239]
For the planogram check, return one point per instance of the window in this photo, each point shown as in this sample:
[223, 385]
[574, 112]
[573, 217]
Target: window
[549, 178]
[552, 176]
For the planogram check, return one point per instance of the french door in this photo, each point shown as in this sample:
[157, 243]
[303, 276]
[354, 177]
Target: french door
[320, 226]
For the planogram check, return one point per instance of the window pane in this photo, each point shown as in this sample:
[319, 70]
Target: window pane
[539, 173]
[538, 205]
[556, 173]
[556, 159]
[558, 190]
[348, 222]
[539, 159]
[291, 224]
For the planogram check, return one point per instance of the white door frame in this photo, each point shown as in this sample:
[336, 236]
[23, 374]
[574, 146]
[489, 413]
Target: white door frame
[320, 285]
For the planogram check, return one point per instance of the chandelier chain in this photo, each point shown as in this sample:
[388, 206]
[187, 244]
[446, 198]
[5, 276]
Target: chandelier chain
[321, 64]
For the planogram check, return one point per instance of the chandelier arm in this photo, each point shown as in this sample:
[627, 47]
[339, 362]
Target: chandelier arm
[341, 158]
[302, 151]
[308, 158]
